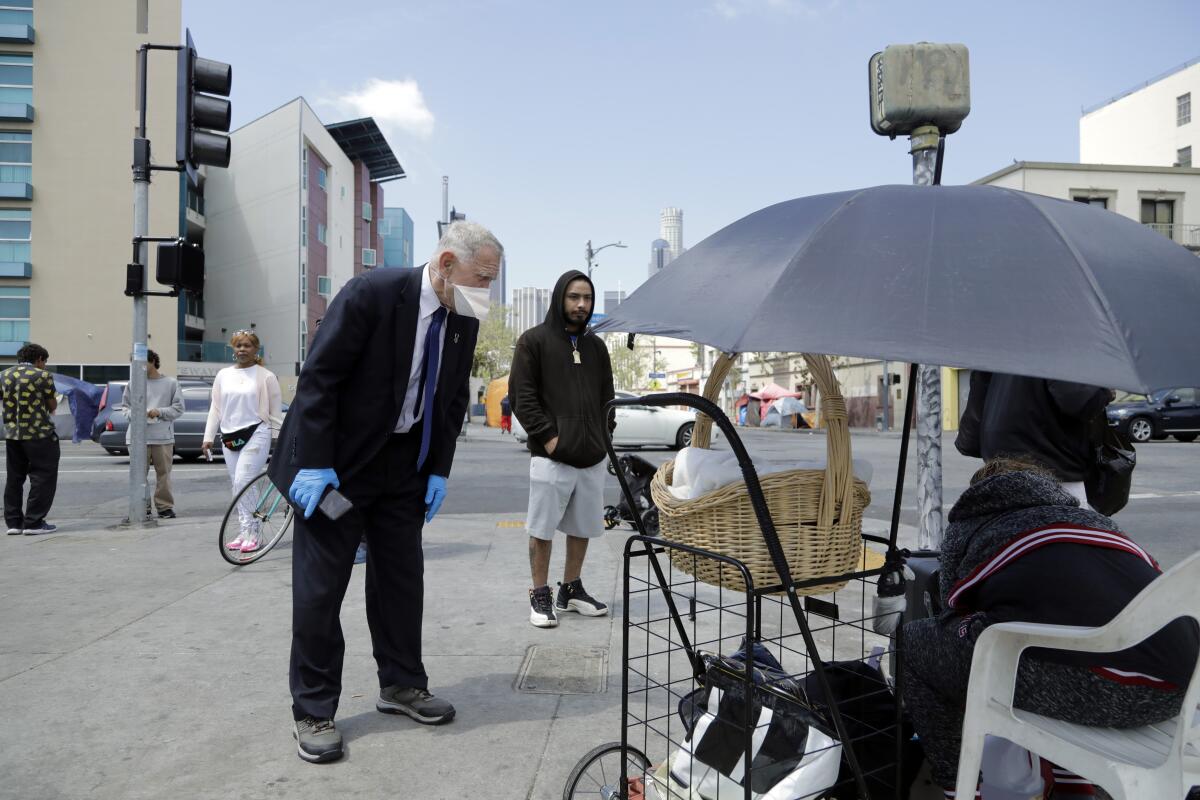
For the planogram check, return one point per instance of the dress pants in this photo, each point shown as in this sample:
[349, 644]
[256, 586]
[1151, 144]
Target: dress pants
[389, 507]
[37, 460]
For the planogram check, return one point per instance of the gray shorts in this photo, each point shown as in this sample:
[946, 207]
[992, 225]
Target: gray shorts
[565, 498]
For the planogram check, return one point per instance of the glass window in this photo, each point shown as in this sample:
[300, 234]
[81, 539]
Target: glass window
[14, 234]
[304, 170]
[324, 285]
[321, 176]
[303, 339]
[366, 212]
[16, 157]
[1183, 109]
[16, 78]
[16, 12]
[197, 399]
[368, 257]
[303, 224]
[1186, 396]
[14, 313]
[304, 287]
[320, 233]
[1183, 156]
[1101, 202]
[1158, 212]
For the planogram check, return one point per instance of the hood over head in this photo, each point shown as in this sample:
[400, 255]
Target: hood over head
[555, 316]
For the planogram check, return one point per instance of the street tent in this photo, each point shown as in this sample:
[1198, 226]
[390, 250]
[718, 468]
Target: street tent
[496, 391]
[83, 403]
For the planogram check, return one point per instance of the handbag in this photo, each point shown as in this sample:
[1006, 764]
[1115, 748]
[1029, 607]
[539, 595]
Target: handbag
[236, 440]
[1111, 472]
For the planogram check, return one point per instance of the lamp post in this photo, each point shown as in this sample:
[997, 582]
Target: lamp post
[590, 254]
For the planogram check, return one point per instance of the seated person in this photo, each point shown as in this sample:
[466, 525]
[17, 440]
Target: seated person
[1019, 548]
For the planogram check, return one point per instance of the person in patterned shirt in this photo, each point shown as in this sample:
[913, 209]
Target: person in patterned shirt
[28, 399]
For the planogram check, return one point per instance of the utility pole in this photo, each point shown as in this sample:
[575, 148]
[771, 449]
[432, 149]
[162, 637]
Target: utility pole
[590, 254]
[200, 122]
[923, 91]
[924, 148]
[141, 321]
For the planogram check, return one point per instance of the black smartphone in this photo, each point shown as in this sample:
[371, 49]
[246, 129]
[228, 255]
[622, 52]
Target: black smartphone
[334, 504]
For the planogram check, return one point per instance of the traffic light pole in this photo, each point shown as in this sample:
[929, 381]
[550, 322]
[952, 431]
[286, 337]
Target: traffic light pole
[136, 391]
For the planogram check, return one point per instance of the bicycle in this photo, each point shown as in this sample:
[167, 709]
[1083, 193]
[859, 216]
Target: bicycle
[272, 512]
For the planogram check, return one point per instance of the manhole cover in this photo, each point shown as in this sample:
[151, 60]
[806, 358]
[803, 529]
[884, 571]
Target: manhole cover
[563, 670]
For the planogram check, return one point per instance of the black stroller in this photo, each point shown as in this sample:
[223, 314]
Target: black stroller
[638, 472]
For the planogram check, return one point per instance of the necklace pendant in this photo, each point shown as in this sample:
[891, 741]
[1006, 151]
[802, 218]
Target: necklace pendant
[575, 355]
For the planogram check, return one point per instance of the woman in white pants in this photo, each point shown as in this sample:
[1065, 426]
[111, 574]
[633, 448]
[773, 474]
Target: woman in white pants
[246, 406]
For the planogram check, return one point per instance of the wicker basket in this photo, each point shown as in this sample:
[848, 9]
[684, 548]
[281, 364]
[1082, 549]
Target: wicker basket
[817, 513]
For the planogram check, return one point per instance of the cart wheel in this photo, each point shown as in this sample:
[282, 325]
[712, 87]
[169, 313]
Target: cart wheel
[597, 776]
[650, 521]
[612, 517]
[611, 469]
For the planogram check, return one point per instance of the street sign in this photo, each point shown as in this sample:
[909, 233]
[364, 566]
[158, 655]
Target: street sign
[598, 317]
[658, 375]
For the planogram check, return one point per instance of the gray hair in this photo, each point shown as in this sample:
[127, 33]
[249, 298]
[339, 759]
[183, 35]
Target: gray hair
[465, 239]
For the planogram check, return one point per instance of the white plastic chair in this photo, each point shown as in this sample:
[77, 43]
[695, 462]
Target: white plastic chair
[1157, 762]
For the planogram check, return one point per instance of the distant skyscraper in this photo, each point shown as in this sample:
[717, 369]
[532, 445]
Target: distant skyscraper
[612, 300]
[529, 306]
[671, 228]
[500, 285]
[660, 256]
[396, 230]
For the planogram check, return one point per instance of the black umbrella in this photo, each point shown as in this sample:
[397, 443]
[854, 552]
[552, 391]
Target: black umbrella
[962, 276]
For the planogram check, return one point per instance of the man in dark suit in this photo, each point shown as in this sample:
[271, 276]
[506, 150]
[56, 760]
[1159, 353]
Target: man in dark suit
[378, 408]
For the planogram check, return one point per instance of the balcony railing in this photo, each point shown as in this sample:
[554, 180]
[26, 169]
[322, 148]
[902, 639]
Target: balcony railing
[1186, 235]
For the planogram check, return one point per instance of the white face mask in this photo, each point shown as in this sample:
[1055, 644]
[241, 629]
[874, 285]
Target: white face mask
[470, 301]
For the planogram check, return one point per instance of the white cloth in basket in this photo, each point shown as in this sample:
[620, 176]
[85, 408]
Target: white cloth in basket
[699, 471]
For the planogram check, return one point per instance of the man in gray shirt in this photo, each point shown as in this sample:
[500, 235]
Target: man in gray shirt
[164, 405]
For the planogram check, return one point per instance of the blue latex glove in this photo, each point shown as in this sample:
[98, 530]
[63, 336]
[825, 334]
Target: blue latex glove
[434, 496]
[309, 486]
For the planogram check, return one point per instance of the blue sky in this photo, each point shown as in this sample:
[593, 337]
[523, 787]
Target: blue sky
[560, 122]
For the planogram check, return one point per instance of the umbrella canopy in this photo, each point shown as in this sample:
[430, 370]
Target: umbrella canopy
[962, 276]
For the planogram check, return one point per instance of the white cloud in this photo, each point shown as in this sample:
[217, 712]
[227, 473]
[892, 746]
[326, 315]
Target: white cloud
[396, 105]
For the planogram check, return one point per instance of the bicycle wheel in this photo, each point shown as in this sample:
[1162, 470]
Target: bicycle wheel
[597, 776]
[272, 516]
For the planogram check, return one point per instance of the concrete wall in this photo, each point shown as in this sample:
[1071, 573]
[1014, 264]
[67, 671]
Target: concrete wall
[82, 209]
[1140, 128]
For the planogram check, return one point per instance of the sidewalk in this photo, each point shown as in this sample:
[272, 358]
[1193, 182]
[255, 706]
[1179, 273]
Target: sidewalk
[138, 664]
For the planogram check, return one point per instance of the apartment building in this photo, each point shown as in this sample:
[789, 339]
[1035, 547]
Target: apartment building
[66, 211]
[291, 220]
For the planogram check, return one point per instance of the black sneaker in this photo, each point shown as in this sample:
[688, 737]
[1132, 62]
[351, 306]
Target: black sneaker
[416, 703]
[573, 597]
[17, 531]
[317, 740]
[167, 514]
[541, 608]
[45, 527]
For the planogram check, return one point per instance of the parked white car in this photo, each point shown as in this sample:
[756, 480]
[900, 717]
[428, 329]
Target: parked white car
[642, 426]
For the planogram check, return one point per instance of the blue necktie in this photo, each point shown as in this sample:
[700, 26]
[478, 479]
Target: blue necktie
[429, 382]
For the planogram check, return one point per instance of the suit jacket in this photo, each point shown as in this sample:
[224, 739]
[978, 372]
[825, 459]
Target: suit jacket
[352, 385]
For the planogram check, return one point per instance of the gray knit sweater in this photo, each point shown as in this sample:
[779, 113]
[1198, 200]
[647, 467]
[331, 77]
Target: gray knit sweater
[993, 512]
[162, 393]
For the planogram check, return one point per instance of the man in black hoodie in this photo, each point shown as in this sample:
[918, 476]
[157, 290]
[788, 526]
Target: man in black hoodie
[561, 379]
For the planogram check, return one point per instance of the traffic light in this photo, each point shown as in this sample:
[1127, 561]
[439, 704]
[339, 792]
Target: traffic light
[181, 265]
[202, 114]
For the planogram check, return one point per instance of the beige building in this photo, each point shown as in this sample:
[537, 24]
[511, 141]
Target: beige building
[66, 210]
[1151, 125]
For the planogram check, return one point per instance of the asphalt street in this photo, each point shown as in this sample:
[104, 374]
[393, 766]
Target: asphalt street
[491, 477]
